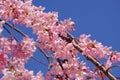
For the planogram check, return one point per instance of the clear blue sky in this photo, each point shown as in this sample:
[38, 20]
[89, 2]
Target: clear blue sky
[100, 18]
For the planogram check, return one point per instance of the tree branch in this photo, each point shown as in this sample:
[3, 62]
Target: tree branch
[39, 61]
[45, 54]
[10, 33]
[23, 34]
[93, 60]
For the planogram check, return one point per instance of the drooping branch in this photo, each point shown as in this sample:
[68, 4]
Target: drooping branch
[11, 26]
[93, 60]
[45, 54]
[23, 34]
[39, 61]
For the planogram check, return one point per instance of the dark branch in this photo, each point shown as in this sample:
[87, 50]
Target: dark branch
[59, 61]
[10, 33]
[39, 61]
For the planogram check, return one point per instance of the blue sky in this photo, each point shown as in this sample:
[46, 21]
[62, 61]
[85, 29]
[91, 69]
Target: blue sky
[100, 18]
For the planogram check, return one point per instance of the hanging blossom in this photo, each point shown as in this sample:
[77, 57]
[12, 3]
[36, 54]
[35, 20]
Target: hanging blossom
[63, 50]
[16, 71]
[93, 48]
[66, 25]
[24, 49]
[72, 70]
[5, 44]
[115, 57]
[38, 76]
[3, 60]
[49, 32]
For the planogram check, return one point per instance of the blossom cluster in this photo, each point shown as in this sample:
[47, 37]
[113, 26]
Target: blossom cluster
[16, 71]
[12, 49]
[70, 69]
[93, 48]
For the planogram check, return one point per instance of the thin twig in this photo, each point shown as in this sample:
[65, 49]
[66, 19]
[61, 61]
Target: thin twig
[101, 75]
[113, 67]
[9, 32]
[45, 54]
[19, 31]
[39, 61]
[59, 61]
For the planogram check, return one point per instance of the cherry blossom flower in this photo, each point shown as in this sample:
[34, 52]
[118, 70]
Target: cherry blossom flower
[64, 50]
[115, 57]
[38, 76]
[3, 60]
[5, 44]
[25, 49]
[93, 48]
[72, 69]
[16, 71]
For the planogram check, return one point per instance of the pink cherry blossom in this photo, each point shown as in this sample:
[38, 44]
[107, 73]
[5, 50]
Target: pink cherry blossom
[64, 50]
[72, 69]
[93, 48]
[16, 71]
[38, 76]
[115, 57]
[25, 49]
[3, 60]
[5, 44]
